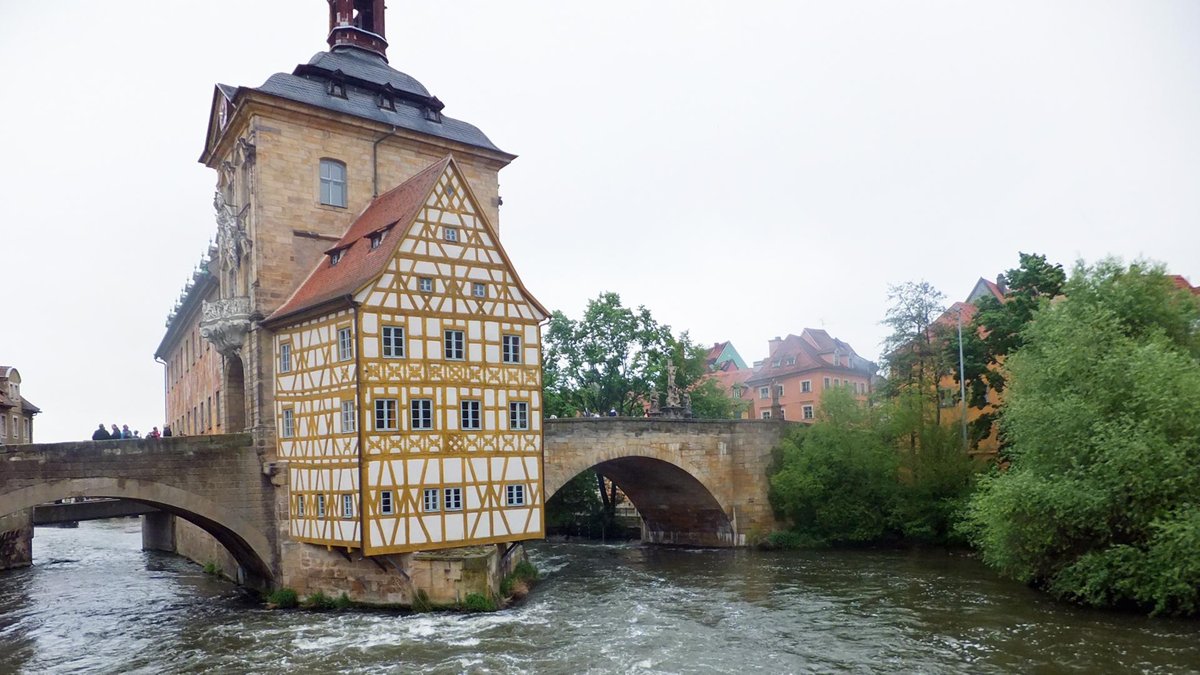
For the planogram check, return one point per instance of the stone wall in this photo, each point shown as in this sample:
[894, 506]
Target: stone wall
[16, 539]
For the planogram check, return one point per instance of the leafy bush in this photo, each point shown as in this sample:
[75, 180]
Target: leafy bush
[1101, 504]
[284, 598]
[343, 602]
[838, 480]
[478, 602]
[319, 600]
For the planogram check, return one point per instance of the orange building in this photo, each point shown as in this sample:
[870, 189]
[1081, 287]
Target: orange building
[788, 384]
[949, 391]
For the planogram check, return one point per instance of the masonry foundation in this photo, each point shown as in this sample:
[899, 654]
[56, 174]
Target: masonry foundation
[16, 540]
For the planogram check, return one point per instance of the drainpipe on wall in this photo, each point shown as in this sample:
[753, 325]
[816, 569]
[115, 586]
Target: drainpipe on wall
[375, 161]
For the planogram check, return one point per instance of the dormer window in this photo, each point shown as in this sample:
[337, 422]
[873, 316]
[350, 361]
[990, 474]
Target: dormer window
[337, 84]
[376, 240]
[433, 115]
[335, 257]
[387, 101]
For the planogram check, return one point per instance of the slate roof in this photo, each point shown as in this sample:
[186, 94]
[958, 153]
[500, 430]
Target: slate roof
[366, 76]
[394, 209]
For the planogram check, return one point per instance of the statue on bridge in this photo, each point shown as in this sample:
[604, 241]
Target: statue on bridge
[679, 403]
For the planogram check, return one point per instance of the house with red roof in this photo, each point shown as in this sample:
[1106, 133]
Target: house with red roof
[407, 386]
[788, 384]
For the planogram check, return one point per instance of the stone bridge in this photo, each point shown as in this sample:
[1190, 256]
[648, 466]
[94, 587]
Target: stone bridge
[214, 482]
[695, 482]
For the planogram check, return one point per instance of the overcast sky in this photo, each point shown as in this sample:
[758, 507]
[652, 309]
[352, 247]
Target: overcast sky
[744, 170]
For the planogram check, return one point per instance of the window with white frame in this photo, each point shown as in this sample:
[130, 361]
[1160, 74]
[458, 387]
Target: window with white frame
[431, 499]
[766, 414]
[806, 387]
[764, 392]
[453, 345]
[320, 506]
[425, 284]
[518, 415]
[385, 414]
[827, 383]
[514, 495]
[285, 358]
[450, 233]
[421, 413]
[347, 506]
[349, 424]
[345, 345]
[453, 499]
[808, 412]
[511, 348]
[469, 417]
[376, 240]
[289, 423]
[393, 342]
[386, 507]
[333, 183]
[300, 506]
[478, 289]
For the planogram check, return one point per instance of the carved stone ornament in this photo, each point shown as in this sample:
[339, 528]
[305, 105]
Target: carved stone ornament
[225, 323]
[232, 241]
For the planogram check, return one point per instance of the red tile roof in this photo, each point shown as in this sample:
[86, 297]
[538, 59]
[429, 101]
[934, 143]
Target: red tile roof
[394, 209]
[1183, 284]
[806, 350]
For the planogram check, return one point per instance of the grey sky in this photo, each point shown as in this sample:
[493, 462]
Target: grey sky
[743, 169]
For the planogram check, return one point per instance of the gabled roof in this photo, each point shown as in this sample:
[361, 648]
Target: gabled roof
[358, 265]
[797, 354]
[983, 288]
[391, 214]
[1182, 283]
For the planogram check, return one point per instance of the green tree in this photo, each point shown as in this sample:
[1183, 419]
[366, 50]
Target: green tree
[1101, 503]
[606, 360]
[996, 331]
[914, 355]
[837, 479]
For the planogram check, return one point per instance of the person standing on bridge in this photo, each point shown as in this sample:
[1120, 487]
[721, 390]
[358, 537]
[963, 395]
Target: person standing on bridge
[125, 432]
[154, 433]
[101, 434]
[166, 431]
[116, 433]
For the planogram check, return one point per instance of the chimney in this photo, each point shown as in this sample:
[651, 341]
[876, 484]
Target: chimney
[357, 24]
[772, 344]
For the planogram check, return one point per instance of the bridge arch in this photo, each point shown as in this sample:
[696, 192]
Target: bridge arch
[248, 546]
[695, 482]
[676, 507]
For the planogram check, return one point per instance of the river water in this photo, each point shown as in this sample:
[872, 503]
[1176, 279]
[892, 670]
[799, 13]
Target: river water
[94, 602]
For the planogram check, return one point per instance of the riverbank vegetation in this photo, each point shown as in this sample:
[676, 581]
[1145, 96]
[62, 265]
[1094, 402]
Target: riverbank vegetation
[1096, 497]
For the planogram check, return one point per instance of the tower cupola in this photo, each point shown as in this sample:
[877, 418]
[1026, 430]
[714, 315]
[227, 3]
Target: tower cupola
[358, 24]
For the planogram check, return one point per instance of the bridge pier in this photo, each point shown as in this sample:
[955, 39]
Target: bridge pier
[16, 540]
[158, 532]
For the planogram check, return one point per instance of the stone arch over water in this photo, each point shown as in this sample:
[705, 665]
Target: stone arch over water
[695, 482]
[249, 548]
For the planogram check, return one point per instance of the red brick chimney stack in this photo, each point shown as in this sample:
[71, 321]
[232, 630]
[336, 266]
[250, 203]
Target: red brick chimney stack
[357, 23]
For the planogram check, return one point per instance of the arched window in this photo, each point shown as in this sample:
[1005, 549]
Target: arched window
[333, 183]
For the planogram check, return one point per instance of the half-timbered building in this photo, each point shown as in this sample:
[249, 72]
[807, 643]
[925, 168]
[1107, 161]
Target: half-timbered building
[408, 382]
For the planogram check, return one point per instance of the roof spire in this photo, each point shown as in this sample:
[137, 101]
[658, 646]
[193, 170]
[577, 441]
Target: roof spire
[358, 24]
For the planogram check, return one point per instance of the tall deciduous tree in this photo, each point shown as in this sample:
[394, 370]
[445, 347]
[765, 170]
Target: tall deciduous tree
[1101, 503]
[996, 331]
[914, 354]
[606, 360]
